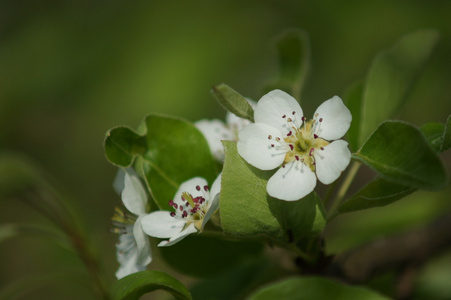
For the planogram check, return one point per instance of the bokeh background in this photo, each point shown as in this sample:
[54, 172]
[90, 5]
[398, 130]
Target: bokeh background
[71, 70]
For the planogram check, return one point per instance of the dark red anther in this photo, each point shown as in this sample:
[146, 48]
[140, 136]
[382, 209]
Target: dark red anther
[283, 166]
[291, 147]
[303, 119]
[289, 133]
[297, 157]
[322, 148]
[196, 199]
[311, 151]
[293, 113]
[269, 137]
[272, 145]
[171, 203]
[320, 119]
[183, 198]
[175, 205]
[185, 214]
[187, 204]
[206, 188]
[180, 207]
[284, 116]
[197, 187]
[172, 214]
[315, 136]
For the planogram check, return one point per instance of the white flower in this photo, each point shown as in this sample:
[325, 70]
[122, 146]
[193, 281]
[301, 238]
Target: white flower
[193, 205]
[133, 249]
[281, 137]
[215, 131]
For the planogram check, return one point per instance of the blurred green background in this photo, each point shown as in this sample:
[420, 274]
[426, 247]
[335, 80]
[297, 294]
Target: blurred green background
[71, 70]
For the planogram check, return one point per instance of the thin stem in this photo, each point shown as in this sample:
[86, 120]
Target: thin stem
[343, 189]
[77, 240]
[329, 193]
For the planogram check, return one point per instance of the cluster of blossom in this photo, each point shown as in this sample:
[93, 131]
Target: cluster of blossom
[281, 137]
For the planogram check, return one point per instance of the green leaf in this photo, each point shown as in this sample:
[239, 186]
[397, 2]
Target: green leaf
[170, 152]
[247, 210]
[381, 192]
[122, 145]
[205, 256]
[377, 193]
[293, 49]
[399, 153]
[232, 101]
[313, 288]
[135, 285]
[434, 134]
[353, 99]
[446, 143]
[391, 76]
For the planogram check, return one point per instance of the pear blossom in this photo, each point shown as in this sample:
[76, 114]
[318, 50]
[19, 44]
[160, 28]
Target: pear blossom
[133, 249]
[302, 150]
[216, 130]
[193, 204]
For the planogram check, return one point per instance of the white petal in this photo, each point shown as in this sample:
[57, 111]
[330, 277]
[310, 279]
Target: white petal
[142, 243]
[190, 187]
[216, 186]
[336, 119]
[255, 147]
[235, 124]
[133, 195]
[273, 106]
[129, 266]
[118, 182]
[215, 131]
[291, 183]
[214, 205]
[175, 239]
[160, 224]
[332, 161]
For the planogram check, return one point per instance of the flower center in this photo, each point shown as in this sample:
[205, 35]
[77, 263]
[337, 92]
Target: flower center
[122, 221]
[302, 140]
[191, 209]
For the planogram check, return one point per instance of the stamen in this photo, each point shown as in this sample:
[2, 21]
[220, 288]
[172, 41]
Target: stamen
[297, 157]
[322, 148]
[272, 145]
[315, 136]
[291, 147]
[197, 187]
[303, 119]
[289, 120]
[181, 208]
[289, 133]
[171, 203]
[311, 151]
[172, 214]
[185, 214]
[293, 113]
[206, 188]
[283, 165]
[320, 119]
[175, 205]
[284, 116]
[277, 139]
[269, 137]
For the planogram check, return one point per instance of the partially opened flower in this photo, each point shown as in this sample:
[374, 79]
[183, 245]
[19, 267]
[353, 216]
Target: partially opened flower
[193, 204]
[304, 150]
[133, 249]
[216, 130]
